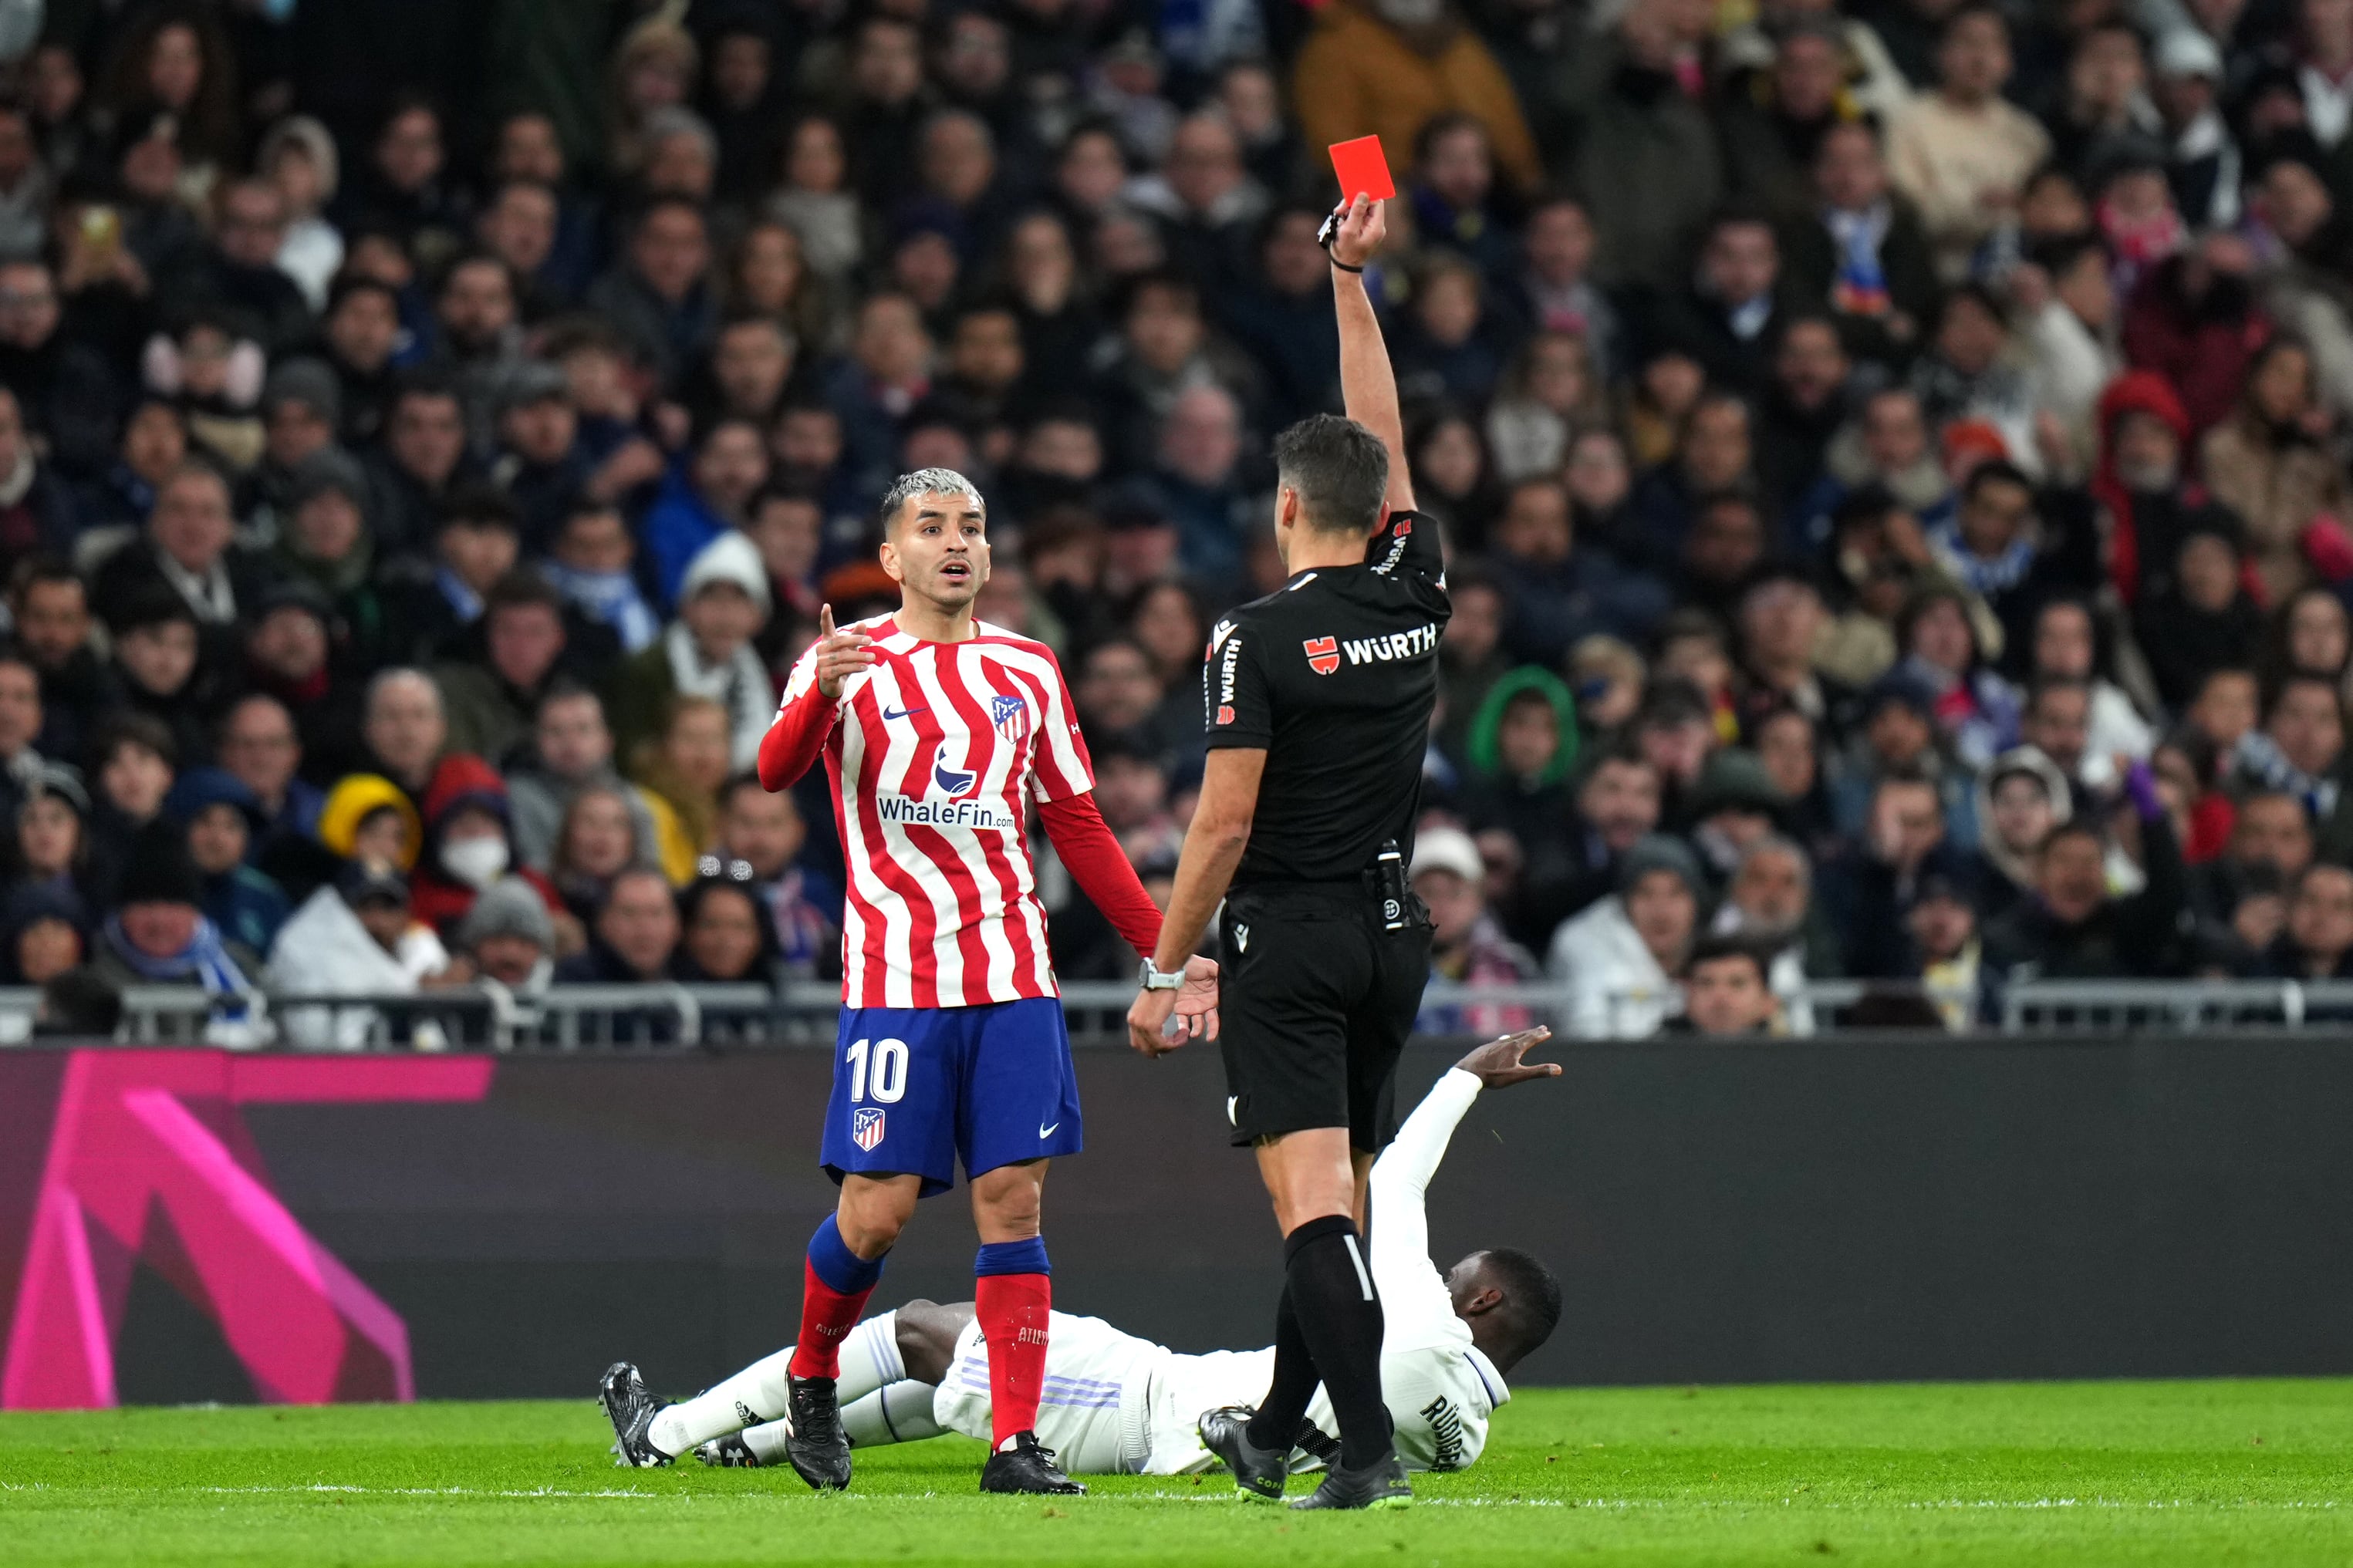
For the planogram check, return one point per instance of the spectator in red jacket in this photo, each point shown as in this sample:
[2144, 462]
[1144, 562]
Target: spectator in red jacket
[2195, 322]
[469, 844]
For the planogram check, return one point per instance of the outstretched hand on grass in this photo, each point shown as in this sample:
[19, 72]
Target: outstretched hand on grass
[1497, 1064]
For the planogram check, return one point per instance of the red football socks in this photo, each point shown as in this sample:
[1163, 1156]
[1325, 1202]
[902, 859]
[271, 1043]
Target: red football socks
[835, 1284]
[1013, 1310]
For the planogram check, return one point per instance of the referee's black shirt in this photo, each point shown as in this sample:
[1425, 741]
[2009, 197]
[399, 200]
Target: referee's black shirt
[1334, 675]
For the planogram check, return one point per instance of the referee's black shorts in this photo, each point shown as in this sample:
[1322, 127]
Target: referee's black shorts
[1315, 1001]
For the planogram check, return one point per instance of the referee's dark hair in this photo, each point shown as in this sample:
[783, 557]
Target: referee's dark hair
[1340, 470]
[1531, 1305]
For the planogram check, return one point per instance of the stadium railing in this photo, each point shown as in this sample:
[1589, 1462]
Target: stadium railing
[485, 1016]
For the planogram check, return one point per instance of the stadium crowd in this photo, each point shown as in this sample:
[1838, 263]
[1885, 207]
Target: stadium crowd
[1892, 460]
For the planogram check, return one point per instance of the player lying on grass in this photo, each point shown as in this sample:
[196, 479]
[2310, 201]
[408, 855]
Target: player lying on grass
[1116, 1403]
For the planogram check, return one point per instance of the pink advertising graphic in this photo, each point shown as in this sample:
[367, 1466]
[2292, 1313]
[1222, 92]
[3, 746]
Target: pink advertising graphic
[147, 1159]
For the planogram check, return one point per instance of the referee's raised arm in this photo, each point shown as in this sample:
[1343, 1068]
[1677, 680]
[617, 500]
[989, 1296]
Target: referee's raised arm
[1367, 384]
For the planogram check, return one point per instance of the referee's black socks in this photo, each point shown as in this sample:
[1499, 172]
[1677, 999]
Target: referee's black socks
[1276, 1424]
[1328, 1327]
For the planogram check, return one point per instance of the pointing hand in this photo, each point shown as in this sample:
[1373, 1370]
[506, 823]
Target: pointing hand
[840, 655]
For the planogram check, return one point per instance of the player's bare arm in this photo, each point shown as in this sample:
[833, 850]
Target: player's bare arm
[1220, 831]
[1367, 385]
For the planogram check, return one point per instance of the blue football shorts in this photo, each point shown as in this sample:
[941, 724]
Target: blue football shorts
[915, 1089]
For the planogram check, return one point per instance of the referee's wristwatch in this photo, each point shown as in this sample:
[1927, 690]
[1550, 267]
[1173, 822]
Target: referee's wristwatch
[1154, 979]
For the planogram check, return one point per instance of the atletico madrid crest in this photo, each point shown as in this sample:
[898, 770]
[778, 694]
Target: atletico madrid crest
[1011, 717]
[866, 1127]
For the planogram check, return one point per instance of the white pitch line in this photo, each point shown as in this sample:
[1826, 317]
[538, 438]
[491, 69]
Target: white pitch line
[1660, 1505]
[1663, 1505]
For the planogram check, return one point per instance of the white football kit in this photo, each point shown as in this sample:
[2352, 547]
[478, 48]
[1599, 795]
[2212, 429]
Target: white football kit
[1115, 1404]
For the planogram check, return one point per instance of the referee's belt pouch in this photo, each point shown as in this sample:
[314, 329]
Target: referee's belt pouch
[1395, 906]
[1401, 917]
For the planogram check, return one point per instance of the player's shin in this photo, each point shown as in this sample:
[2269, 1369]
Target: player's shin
[836, 1283]
[1012, 1298]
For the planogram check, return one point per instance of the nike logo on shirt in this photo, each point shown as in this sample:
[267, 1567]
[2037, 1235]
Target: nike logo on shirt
[902, 713]
[1048, 1131]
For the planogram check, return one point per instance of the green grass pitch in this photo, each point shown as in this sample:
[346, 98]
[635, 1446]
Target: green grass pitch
[2063, 1473]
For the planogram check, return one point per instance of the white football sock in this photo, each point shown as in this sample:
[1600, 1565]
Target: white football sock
[869, 1360]
[897, 1412]
[753, 1395]
[767, 1441]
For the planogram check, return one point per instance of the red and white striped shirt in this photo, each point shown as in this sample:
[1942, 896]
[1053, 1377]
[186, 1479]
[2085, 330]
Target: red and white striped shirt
[943, 746]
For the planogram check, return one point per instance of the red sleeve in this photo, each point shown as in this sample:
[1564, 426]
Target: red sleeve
[1096, 862]
[794, 740]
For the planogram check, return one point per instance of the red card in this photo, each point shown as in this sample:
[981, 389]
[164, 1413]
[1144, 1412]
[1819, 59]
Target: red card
[1362, 169]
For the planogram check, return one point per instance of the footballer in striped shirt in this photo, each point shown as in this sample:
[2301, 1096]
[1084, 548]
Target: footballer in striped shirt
[943, 737]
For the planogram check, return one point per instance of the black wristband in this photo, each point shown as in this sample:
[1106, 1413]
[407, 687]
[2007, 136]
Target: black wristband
[1345, 266]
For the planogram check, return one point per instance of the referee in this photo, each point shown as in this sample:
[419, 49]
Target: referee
[1317, 702]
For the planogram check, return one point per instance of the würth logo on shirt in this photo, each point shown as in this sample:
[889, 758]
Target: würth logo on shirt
[1323, 655]
[1395, 646]
[1227, 668]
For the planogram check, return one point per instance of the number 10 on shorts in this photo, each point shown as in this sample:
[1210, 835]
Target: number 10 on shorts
[887, 1062]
